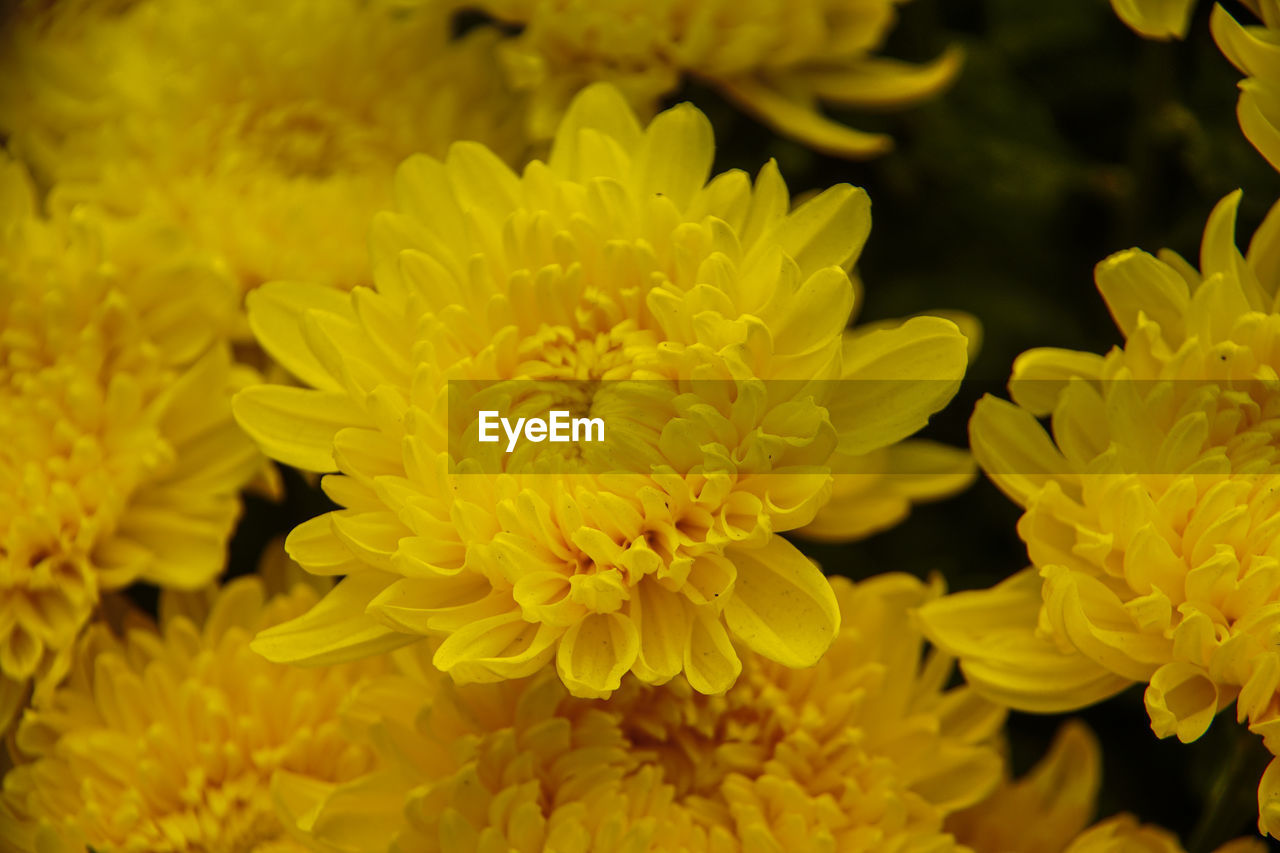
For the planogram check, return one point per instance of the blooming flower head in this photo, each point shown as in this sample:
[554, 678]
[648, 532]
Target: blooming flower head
[269, 132]
[778, 60]
[702, 321]
[866, 751]
[119, 460]
[167, 738]
[1156, 19]
[1252, 49]
[1151, 513]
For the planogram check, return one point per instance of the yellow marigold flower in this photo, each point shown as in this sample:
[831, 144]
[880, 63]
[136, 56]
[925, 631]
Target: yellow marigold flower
[168, 738]
[1156, 19]
[1151, 512]
[1252, 49]
[868, 750]
[614, 260]
[269, 131]
[119, 460]
[778, 60]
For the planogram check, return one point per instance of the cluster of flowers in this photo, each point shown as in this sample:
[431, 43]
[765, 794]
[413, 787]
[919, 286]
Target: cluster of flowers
[233, 231]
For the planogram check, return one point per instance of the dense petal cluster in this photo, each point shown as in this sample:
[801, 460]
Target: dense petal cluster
[1151, 515]
[168, 738]
[268, 132]
[702, 321]
[866, 751]
[1253, 49]
[119, 460]
[779, 60]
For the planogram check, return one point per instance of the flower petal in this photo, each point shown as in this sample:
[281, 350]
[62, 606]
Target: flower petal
[1013, 449]
[782, 605]
[993, 633]
[596, 652]
[895, 379]
[275, 313]
[295, 426]
[710, 662]
[662, 620]
[497, 648]
[336, 629]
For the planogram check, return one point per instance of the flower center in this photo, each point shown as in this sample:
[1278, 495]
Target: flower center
[300, 140]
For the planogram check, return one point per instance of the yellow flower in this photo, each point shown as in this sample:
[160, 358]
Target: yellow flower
[1123, 834]
[1151, 515]
[1156, 19]
[778, 60]
[119, 460]
[1047, 810]
[1252, 49]
[168, 738]
[269, 132]
[1044, 810]
[703, 321]
[866, 751]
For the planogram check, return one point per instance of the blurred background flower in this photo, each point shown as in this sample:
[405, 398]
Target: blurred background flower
[779, 61]
[119, 461]
[267, 132]
[168, 736]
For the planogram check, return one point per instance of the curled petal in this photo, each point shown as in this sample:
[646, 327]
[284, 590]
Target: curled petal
[993, 633]
[336, 629]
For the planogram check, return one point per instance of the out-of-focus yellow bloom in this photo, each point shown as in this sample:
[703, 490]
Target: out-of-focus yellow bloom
[269, 132]
[1044, 810]
[614, 260]
[1123, 834]
[169, 739]
[1047, 810]
[866, 751]
[1152, 514]
[778, 59]
[1255, 50]
[119, 460]
[1156, 19]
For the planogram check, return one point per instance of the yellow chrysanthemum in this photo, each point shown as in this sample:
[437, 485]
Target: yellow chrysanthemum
[1047, 810]
[1151, 515]
[1123, 834]
[1156, 19]
[779, 60]
[1044, 810]
[169, 739]
[703, 321]
[268, 131]
[1253, 49]
[119, 460]
[866, 751]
